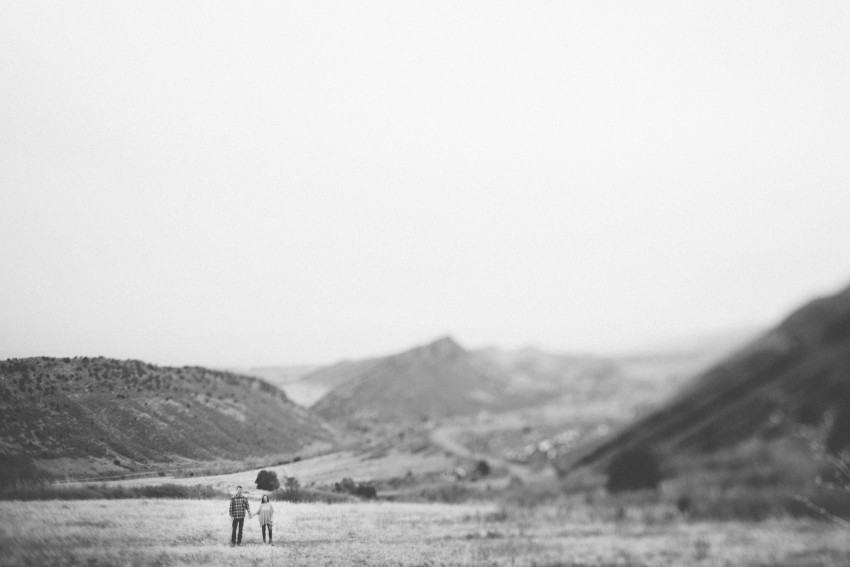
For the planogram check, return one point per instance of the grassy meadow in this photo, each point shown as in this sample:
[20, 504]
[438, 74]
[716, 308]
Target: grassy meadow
[567, 533]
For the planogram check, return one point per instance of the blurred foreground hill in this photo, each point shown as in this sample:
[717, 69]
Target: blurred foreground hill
[793, 377]
[81, 416]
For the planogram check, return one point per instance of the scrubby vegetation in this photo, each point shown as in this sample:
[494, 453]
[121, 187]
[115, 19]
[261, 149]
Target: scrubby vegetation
[752, 481]
[109, 492]
[307, 495]
[363, 490]
[123, 417]
[19, 469]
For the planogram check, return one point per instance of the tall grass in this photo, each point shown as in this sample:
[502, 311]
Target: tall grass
[309, 495]
[565, 533]
[752, 482]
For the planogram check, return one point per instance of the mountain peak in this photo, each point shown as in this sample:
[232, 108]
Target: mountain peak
[436, 379]
[443, 347]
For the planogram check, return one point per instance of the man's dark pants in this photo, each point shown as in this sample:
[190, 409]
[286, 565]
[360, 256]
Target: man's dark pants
[237, 522]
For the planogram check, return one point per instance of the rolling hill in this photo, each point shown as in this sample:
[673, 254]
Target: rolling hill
[440, 379]
[796, 374]
[622, 382]
[313, 386]
[79, 415]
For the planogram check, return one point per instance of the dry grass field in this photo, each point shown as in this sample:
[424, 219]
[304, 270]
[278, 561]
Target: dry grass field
[325, 469]
[197, 532]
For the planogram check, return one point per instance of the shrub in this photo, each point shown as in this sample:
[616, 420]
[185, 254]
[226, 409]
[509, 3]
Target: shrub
[482, 468]
[839, 435]
[684, 504]
[310, 495]
[449, 493]
[634, 469]
[267, 480]
[292, 486]
[356, 488]
[19, 469]
[366, 491]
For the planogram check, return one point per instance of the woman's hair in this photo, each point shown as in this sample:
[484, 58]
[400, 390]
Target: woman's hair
[265, 498]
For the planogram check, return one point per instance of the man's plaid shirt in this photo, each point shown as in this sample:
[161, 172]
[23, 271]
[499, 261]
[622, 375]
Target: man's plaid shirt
[238, 507]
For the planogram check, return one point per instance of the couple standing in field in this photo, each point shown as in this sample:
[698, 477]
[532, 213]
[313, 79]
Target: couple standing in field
[239, 507]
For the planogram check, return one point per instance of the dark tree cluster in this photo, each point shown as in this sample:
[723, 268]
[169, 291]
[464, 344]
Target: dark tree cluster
[267, 480]
[362, 490]
[636, 468]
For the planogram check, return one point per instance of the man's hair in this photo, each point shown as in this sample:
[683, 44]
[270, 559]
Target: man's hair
[239, 487]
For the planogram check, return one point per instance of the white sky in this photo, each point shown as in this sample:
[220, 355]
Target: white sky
[298, 182]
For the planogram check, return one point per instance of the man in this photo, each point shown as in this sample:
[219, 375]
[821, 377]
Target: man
[238, 508]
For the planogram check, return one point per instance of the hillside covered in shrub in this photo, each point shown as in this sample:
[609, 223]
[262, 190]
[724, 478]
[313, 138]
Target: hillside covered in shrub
[84, 415]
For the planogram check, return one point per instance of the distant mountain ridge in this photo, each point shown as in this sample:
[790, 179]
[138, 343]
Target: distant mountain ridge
[513, 379]
[440, 379]
[314, 386]
[792, 375]
[103, 411]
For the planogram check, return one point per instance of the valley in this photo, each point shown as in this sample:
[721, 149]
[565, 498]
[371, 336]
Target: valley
[523, 434]
[494, 455]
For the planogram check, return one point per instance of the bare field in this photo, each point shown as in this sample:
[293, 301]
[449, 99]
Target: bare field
[324, 469]
[187, 532]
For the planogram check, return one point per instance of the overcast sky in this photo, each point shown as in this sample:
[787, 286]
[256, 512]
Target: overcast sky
[247, 183]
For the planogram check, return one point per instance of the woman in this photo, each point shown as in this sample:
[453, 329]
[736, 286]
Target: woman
[265, 513]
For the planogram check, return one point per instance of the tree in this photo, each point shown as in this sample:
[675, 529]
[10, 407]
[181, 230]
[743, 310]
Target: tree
[482, 468]
[291, 485]
[267, 480]
[636, 468]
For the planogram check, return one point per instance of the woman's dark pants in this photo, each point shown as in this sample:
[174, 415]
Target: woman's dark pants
[269, 526]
